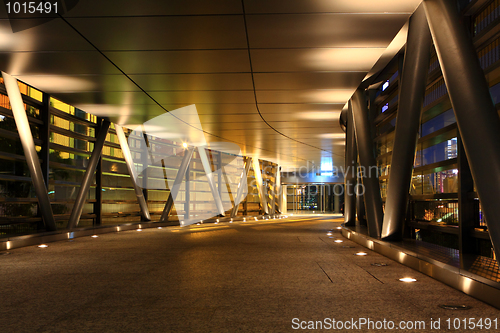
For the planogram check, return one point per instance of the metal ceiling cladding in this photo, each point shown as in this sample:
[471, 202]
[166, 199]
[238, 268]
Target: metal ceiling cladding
[133, 61]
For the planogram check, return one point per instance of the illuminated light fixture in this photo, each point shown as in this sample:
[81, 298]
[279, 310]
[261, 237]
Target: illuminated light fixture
[339, 228]
[314, 211]
[338, 241]
[185, 145]
[43, 246]
[201, 221]
[159, 227]
[329, 233]
[182, 222]
[255, 218]
[198, 223]
[244, 219]
[94, 236]
[139, 229]
[408, 279]
[117, 228]
[8, 245]
[361, 254]
[217, 220]
[231, 220]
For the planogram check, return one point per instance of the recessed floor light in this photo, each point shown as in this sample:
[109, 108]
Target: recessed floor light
[43, 245]
[454, 307]
[94, 236]
[160, 228]
[338, 241]
[408, 279]
[361, 254]
[329, 234]
[139, 229]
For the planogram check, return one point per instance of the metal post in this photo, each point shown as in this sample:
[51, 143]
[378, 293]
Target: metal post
[23, 127]
[260, 186]
[122, 139]
[466, 209]
[278, 188]
[88, 177]
[187, 196]
[411, 98]
[98, 194]
[210, 178]
[188, 154]
[98, 187]
[273, 197]
[373, 201]
[477, 118]
[360, 207]
[241, 187]
[44, 135]
[351, 154]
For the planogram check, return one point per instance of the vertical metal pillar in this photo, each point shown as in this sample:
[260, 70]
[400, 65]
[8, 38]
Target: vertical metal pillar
[98, 187]
[98, 194]
[26, 137]
[477, 118]
[351, 155]
[187, 196]
[241, 187]
[373, 201]
[44, 135]
[467, 244]
[188, 154]
[360, 207]
[260, 186]
[122, 139]
[278, 188]
[88, 177]
[336, 203]
[411, 98]
[211, 182]
[273, 197]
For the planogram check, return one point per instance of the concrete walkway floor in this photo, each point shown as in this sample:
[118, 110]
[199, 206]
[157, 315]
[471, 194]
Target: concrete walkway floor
[245, 277]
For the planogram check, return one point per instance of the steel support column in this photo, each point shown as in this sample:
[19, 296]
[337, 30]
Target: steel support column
[373, 201]
[26, 137]
[411, 98]
[468, 214]
[88, 177]
[211, 182]
[351, 156]
[188, 154]
[241, 187]
[260, 186]
[360, 207]
[122, 139]
[278, 189]
[477, 118]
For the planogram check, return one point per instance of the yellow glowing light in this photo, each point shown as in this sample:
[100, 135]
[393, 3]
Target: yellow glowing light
[185, 145]
[94, 236]
[338, 241]
[159, 227]
[361, 254]
[139, 229]
[329, 234]
[408, 279]
[43, 246]
[339, 228]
